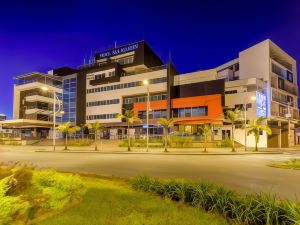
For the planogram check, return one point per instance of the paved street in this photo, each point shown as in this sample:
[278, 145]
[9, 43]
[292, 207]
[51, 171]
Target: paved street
[245, 173]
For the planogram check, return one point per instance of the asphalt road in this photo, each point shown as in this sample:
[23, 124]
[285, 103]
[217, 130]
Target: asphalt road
[244, 173]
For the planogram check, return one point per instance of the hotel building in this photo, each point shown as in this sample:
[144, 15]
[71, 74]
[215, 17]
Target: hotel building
[114, 82]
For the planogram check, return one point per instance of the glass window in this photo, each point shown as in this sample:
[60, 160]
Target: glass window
[188, 112]
[157, 114]
[73, 85]
[163, 113]
[196, 111]
[150, 114]
[175, 113]
[181, 113]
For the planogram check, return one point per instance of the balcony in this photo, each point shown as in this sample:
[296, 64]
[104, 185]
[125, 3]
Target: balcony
[38, 98]
[288, 87]
[38, 110]
[24, 86]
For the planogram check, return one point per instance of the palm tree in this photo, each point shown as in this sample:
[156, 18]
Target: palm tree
[256, 126]
[67, 129]
[130, 118]
[206, 130]
[96, 127]
[82, 130]
[166, 124]
[232, 117]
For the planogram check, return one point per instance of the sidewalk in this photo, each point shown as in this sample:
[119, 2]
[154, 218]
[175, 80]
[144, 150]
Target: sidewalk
[123, 150]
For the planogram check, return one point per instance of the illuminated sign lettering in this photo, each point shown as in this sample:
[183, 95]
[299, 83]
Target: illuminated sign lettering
[261, 104]
[118, 51]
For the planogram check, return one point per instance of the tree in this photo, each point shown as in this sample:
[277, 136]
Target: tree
[67, 129]
[256, 126]
[166, 124]
[96, 127]
[232, 117]
[206, 131]
[130, 118]
[83, 126]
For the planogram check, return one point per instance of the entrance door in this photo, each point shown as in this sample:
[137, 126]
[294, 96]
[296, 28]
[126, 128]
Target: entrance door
[226, 133]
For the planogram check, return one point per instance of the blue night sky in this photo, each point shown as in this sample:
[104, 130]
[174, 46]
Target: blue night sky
[40, 35]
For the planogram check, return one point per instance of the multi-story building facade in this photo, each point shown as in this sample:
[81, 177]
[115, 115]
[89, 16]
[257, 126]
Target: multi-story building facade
[270, 74]
[263, 79]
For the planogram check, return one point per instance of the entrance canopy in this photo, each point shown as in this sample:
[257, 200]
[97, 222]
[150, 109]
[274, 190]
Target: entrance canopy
[25, 123]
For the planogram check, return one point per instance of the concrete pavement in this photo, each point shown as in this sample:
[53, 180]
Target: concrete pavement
[244, 173]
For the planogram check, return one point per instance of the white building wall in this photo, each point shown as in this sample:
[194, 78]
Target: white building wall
[120, 93]
[239, 136]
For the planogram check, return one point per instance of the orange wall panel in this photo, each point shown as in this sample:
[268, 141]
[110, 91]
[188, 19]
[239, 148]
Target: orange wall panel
[154, 105]
[213, 103]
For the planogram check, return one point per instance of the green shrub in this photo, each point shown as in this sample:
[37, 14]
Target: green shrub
[11, 208]
[255, 209]
[79, 143]
[180, 141]
[153, 142]
[59, 188]
[226, 143]
[20, 180]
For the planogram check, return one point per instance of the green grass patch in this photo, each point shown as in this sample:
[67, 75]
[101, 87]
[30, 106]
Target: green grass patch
[29, 196]
[289, 164]
[112, 202]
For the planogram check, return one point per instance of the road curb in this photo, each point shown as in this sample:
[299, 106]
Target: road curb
[160, 153]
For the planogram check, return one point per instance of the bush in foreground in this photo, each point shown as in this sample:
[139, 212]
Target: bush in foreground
[254, 209]
[26, 194]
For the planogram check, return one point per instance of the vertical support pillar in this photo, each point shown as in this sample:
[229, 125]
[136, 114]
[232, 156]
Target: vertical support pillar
[279, 141]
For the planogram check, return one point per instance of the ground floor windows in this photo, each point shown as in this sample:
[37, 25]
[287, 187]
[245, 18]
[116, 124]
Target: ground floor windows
[126, 85]
[103, 102]
[154, 97]
[190, 112]
[154, 114]
[102, 116]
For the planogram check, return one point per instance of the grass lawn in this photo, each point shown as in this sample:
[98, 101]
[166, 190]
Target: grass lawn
[114, 202]
[289, 164]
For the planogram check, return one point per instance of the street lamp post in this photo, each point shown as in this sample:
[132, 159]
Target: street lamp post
[245, 120]
[146, 83]
[54, 114]
[288, 116]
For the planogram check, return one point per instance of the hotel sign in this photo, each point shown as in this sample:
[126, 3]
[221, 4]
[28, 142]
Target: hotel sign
[117, 51]
[261, 104]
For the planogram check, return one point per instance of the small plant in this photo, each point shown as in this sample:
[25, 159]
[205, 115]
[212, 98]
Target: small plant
[130, 118]
[180, 141]
[59, 188]
[206, 131]
[20, 180]
[166, 124]
[96, 127]
[256, 126]
[67, 129]
[232, 117]
[254, 209]
[289, 164]
[79, 143]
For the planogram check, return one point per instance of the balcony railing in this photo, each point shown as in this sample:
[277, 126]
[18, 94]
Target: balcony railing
[295, 116]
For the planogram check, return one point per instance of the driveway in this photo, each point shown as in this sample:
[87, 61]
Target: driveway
[244, 173]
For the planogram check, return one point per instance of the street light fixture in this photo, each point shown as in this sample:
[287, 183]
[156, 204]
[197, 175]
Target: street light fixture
[146, 83]
[252, 98]
[44, 88]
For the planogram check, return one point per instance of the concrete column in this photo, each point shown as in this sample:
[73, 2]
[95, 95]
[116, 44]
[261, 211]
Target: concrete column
[279, 141]
[34, 133]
